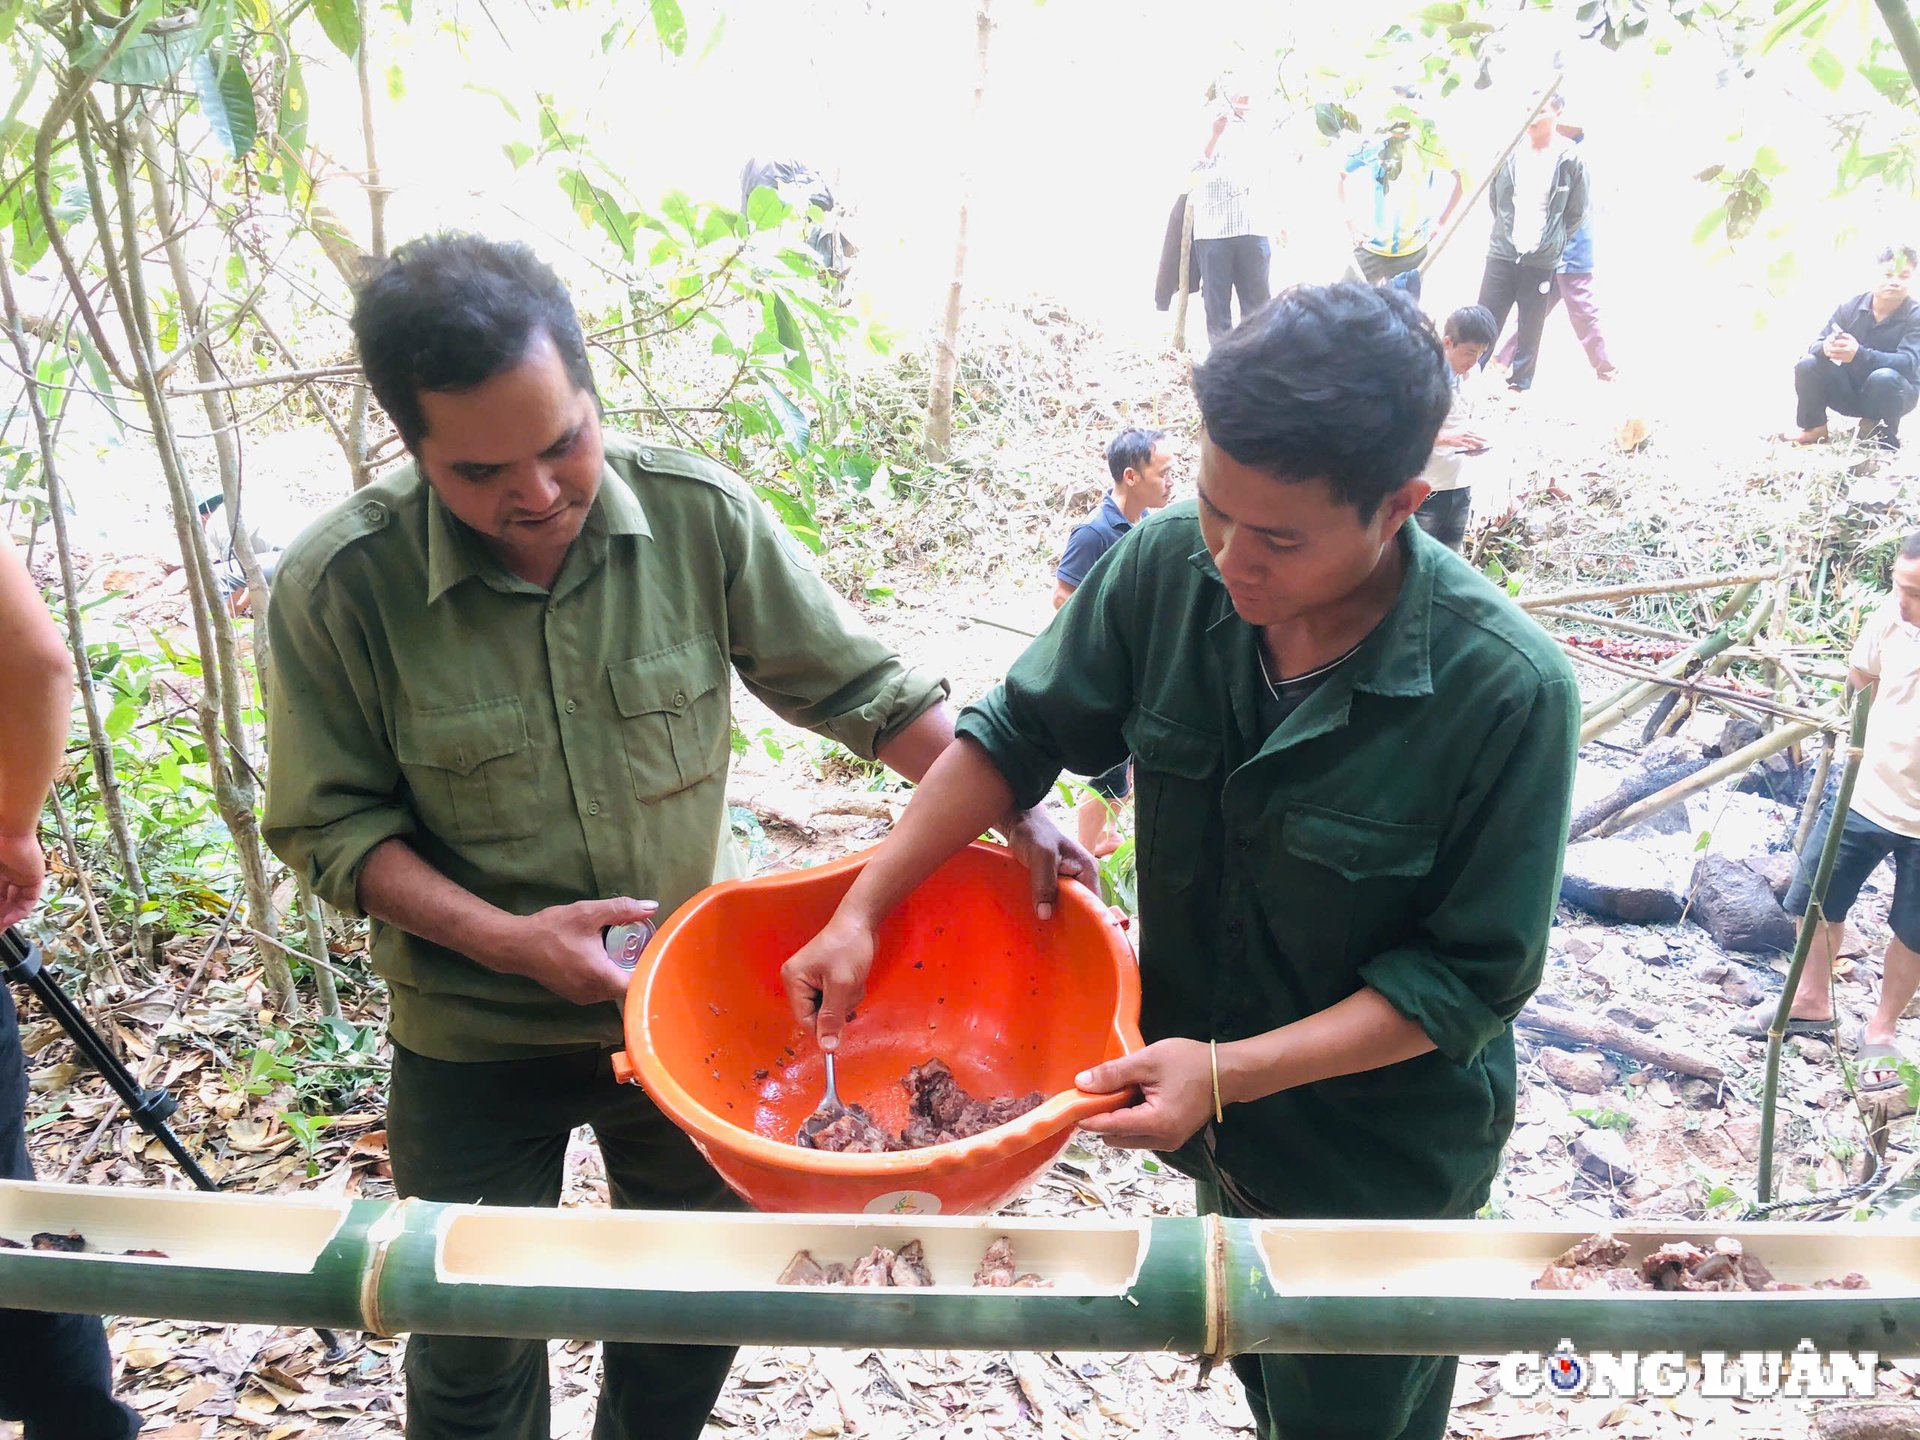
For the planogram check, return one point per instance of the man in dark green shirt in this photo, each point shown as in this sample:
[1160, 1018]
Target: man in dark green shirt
[1354, 758]
[499, 723]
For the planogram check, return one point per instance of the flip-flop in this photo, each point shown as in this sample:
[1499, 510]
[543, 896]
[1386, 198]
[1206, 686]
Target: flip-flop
[1876, 1064]
[1756, 1025]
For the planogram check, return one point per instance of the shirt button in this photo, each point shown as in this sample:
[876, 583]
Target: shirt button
[679, 699]
[1233, 929]
[1242, 842]
[571, 707]
[373, 510]
[593, 807]
[646, 457]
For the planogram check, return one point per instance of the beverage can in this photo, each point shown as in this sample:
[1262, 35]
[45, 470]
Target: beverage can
[625, 942]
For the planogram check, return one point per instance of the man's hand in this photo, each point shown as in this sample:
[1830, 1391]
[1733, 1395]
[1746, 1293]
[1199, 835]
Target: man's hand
[562, 948]
[1049, 855]
[827, 976]
[1842, 347]
[1175, 1083]
[23, 869]
[1220, 122]
[1461, 439]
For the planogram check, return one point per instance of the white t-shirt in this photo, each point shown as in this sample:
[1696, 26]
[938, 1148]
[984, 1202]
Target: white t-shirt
[1887, 790]
[1533, 172]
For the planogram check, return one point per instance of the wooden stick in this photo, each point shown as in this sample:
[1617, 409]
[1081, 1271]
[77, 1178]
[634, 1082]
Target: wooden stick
[1602, 1036]
[1654, 680]
[1607, 622]
[1469, 205]
[1647, 587]
[1601, 716]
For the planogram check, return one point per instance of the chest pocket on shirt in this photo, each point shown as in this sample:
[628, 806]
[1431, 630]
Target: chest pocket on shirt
[674, 715]
[1356, 875]
[1176, 784]
[470, 769]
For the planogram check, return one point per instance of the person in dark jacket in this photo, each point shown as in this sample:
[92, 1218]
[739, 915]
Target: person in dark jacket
[1539, 198]
[1867, 361]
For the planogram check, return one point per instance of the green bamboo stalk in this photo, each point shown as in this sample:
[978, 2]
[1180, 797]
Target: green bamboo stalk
[1809, 926]
[1735, 764]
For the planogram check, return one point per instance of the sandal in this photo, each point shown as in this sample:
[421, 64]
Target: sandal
[1755, 1023]
[1877, 1065]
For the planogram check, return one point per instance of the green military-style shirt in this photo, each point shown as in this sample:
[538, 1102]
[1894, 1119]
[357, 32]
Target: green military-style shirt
[541, 747]
[1402, 829]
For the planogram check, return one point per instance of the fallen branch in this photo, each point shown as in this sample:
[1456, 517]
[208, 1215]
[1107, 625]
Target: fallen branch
[1646, 587]
[276, 377]
[1737, 763]
[1602, 1036]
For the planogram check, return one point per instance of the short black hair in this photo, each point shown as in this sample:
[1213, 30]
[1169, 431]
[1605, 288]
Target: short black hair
[448, 312]
[1131, 450]
[1910, 547]
[1471, 325]
[1905, 252]
[1343, 383]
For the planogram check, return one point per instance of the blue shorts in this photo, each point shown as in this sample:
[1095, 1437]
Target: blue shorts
[1863, 845]
[1114, 784]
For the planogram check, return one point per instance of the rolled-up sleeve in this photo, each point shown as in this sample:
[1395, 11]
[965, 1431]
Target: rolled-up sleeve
[1487, 907]
[333, 783]
[803, 652]
[1063, 703]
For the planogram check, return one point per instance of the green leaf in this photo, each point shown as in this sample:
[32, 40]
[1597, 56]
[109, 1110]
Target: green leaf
[765, 208]
[1443, 14]
[1767, 161]
[120, 719]
[1710, 224]
[795, 517]
[518, 152]
[1826, 68]
[151, 58]
[291, 125]
[341, 20]
[793, 421]
[786, 327]
[396, 83]
[226, 99]
[670, 25]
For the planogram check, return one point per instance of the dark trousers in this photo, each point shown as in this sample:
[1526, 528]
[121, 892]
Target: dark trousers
[1505, 285]
[1338, 1397]
[1883, 395]
[55, 1375]
[495, 1133]
[1583, 313]
[1384, 267]
[1236, 265]
[1444, 514]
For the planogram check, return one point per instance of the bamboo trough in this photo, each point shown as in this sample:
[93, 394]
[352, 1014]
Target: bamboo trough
[1200, 1286]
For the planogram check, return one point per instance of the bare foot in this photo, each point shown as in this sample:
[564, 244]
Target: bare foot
[1816, 436]
[1105, 845]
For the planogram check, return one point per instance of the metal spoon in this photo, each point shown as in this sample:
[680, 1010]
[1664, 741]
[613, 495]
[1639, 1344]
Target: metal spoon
[830, 1109]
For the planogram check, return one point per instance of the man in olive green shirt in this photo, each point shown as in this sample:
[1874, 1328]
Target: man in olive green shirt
[499, 723]
[1354, 759]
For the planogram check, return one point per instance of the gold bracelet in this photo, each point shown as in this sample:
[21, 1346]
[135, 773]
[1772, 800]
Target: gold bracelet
[1213, 1058]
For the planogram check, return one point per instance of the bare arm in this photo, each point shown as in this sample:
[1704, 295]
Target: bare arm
[33, 731]
[1062, 592]
[1453, 200]
[960, 796]
[559, 948]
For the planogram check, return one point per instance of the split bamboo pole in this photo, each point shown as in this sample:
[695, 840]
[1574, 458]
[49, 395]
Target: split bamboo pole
[1809, 926]
[1606, 622]
[1214, 1286]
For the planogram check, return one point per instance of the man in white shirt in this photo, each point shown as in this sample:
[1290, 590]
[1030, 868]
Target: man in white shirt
[1230, 251]
[1884, 821]
[1539, 198]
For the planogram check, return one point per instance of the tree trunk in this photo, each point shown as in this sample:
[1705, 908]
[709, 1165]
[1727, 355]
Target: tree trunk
[323, 985]
[377, 221]
[1906, 38]
[946, 353]
[219, 710]
[99, 747]
[1867, 1420]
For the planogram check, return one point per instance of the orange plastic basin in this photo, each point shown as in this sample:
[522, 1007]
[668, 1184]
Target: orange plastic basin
[964, 972]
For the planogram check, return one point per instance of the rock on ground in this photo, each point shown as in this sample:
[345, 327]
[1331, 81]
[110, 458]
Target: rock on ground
[1618, 880]
[1603, 1155]
[1736, 906]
